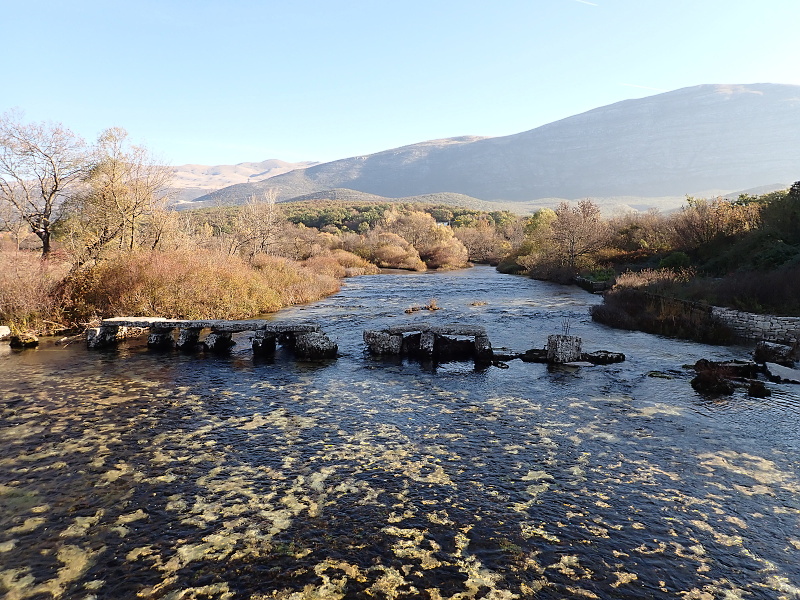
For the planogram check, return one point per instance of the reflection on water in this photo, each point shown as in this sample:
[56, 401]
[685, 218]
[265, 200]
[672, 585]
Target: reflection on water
[130, 473]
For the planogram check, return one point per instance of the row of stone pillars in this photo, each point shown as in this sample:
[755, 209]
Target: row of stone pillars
[305, 339]
[429, 342]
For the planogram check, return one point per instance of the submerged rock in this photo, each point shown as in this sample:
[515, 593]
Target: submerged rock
[603, 357]
[757, 389]
[23, 340]
[712, 382]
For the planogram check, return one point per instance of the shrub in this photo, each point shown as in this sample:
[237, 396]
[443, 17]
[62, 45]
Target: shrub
[353, 264]
[192, 285]
[188, 285]
[28, 290]
[389, 250]
[325, 265]
[293, 283]
[675, 261]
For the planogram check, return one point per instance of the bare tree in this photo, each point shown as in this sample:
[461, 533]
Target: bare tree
[39, 165]
[124, 187]
[577, 231]
[256, 226]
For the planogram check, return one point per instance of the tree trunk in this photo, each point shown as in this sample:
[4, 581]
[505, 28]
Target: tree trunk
[45, 237]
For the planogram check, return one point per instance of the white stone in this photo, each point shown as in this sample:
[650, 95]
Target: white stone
[5, 332]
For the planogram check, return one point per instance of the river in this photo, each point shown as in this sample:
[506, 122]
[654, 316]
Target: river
[130, 473]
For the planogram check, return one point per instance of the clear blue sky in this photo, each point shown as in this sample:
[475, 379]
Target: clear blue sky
[215, 82]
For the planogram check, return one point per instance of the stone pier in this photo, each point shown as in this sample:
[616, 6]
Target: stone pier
[431, 342]
[563, 348]
[305, 339]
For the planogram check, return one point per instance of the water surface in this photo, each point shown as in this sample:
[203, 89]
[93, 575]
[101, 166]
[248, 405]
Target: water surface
[136, 474]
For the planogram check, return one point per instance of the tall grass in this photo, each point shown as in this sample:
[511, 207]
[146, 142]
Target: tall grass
[193, 285]
[29, 298]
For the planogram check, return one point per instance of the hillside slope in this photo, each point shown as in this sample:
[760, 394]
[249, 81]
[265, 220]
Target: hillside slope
[702, 139]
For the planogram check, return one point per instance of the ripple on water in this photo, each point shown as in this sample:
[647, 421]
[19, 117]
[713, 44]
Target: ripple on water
[136, 474]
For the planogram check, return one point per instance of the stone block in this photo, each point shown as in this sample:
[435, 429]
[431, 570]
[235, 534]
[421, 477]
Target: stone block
[427, 344]
[219, 341]
[188, 338]
[768, 351]
[563, 348]
[315, 345]
[383, 343]
[483, 348]
[264, 342]
[160, 339]
[5, 332]
[781, 373]
[100, 337]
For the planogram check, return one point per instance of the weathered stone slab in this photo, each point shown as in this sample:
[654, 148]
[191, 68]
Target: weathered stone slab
[215, 324]
[465, 330]
[112, 330]
[781, 373]
[5, 332]
[434, 342]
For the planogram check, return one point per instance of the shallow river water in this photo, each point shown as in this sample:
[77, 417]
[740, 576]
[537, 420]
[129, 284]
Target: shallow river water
[130, 473]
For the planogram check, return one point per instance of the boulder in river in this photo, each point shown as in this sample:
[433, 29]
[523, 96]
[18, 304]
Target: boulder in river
[769, 352]
[23, 340]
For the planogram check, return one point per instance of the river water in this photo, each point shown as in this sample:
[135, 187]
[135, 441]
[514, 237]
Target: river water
[130, 473]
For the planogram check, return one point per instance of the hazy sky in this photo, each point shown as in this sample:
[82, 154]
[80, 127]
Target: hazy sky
[215, 82]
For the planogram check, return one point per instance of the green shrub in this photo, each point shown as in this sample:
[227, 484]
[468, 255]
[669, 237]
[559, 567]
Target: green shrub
[675, 261]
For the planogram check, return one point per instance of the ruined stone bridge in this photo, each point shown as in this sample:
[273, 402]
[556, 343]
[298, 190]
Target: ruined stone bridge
[433, 342]
[440, 343]
[306, 339]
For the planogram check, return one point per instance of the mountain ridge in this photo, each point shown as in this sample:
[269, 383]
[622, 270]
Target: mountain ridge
[718, 137]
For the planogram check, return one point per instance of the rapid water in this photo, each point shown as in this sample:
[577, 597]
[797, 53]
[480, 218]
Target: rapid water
[129, 473]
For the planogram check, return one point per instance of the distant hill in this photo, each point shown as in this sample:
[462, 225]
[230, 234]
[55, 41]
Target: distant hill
[192, 181]
[702, 140]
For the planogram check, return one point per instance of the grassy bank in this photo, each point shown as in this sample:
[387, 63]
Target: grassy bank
[46, 296]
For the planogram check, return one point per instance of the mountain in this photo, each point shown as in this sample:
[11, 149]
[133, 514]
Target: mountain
[700, 140]
[191, 181]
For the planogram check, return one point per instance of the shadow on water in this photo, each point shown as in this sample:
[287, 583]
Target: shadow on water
[131, 473]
